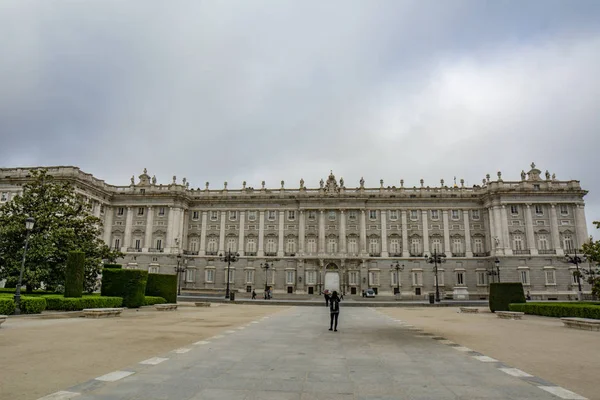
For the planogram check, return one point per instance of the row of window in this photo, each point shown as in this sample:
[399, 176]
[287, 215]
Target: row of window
[539, 209]
[542, 242]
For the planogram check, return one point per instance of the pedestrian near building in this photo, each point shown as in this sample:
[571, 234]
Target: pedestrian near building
[334, 310]
[253, 294]
[326, 294]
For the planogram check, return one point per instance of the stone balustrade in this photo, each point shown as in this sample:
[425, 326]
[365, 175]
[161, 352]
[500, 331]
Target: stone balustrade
[102, 312]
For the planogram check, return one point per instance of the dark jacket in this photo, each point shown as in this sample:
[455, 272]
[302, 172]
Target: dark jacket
[334, 304]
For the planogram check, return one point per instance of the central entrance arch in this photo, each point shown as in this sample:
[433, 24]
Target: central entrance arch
[332, 277]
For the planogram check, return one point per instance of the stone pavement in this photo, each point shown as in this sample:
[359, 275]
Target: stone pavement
[292, 355]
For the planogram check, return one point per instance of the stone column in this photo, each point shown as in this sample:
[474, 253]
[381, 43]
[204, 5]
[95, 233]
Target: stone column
[491, 232]
[301, 232]
[529, 231]
[128, 224]
[108, 222]
[426, 249]
[149, 229]
[222, 233]
[498, 225]
[446, 234]
[468, 249]
[384, 244]
[202, 251]
[169, 238]
[405, 250]
[96, 209]
[261, 234]
[363, 232]
[505, 235]
[182, 228]
[342, 232]
[242, 233]
[580, 226]
[554, 231]
[321, 249]
[280, 249]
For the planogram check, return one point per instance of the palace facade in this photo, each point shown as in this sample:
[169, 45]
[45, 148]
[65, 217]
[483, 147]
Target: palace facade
[344, 238]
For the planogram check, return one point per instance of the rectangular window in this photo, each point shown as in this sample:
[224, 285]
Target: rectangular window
[517, 242]
[353, 277]
[194, 245]
[161, 211]
[195, 215]
[414, 215]
[514, 210]
[395, 246]
[331, 215]
[140, 211]
[209, 275]
[158, 244]
[290, 277]
[233, 215]
[481, 278]
[138, 244]
[214, 215]
[117, 243]
[291, 215]
[232, 244]
[290, 246]
[478, 242]
[436, 245]
[415, 247]
[352, 247]
[435, 214]
[311, 245]
[190, 275]
[539, 210]
[524, 277]
[372, 214]
[550, 277]
[393, 215]
[332, 245]
[373, 246]
[271, 215]
[460, 278]
[231, 275]
[475, 215]
[251, 245]
[568, 242]
[311, 277]
[4, 197]
[457, 246]
[312, 215]
[574, 277]
[271, 245]
[455, 215]
[120, 211]
[153, 270]
[417, 278]
[249, 276]
[352, 215]
[543, 242]
[212, 245]
[373, 278]
[536, 187]
[251, 215]
[564, 209]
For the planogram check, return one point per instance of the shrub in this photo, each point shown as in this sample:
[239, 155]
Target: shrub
[32, 305]
[113, 266]
[152, 300]
[11, 291]
[60, 303]
[162, 285]
[130, 284]
[74, 274]
[558, 310]
[7, 306]
[503, 294]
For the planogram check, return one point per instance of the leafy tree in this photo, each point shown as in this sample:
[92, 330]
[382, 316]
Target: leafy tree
[63, 223]
[592, 251]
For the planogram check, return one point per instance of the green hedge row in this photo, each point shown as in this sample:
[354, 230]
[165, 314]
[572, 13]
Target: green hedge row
[152, 300]
[7, 306]
[35, 292]
[581, 310]
[60, 303]
[29, 305]
[162, 285]
[130, 284]
[504, 294]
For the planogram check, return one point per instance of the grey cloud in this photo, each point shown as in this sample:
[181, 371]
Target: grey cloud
[282, 90]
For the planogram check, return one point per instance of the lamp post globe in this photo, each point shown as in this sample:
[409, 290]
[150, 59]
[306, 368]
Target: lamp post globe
[399, 268]
[29, 223]
[229, 257]
[436, 259]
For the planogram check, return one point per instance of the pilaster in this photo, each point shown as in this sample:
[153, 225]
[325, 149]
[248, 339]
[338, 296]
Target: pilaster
[468, 249]
[343, 249]
[425, 233]
[128, 223]
[301, 232]
[108, 224]
[580, 225]
[321, 249]
[405, 250]
[384, 247]
[505, 235]
[280, 249]
[261, 234]
[446, 234]
[202, 251]
[554, 231]
[529, 231]
[222, 232]
[242, 233]
[363, 233]
[149, 229]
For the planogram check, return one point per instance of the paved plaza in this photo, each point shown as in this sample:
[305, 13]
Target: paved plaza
[292, 355]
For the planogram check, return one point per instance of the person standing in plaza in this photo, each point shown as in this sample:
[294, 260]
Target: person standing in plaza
[253, 294]
[326, 294]
[334, 310]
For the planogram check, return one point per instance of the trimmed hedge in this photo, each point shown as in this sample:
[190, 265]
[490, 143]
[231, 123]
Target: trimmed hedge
[74, 274]
[504, 294]
[162, 285]
[7, 306]
[113, 266]
[130, 284]
[152, 300]
[32, 305]
[11, 291]
[558, 310]
[60, 303]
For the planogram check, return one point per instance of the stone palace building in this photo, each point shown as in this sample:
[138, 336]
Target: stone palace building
[344, 238]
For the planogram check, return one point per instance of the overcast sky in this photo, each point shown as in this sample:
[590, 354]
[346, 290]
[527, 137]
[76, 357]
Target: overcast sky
[281, 90]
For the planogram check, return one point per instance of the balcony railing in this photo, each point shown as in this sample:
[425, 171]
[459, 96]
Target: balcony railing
[416, 254]
[251, 253]
[270, 253]
[458, 254]
[211, 253]
[156, 250]
[374, 254]
[484, 254]
[546, 251]
[190, 253]
[395, 254]
[521, 252]
[134, 249]
[289, 254]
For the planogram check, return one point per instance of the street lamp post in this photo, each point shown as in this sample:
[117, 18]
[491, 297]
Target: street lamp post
[29, 222]
[436, 259]
[399, 268]
[575, 259]
[266, 266]
[496, 272]
[497, 262]
[229, 258]
[179, 269]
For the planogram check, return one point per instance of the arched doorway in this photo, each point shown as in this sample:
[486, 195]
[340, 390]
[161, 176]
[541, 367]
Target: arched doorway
[332, 278]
